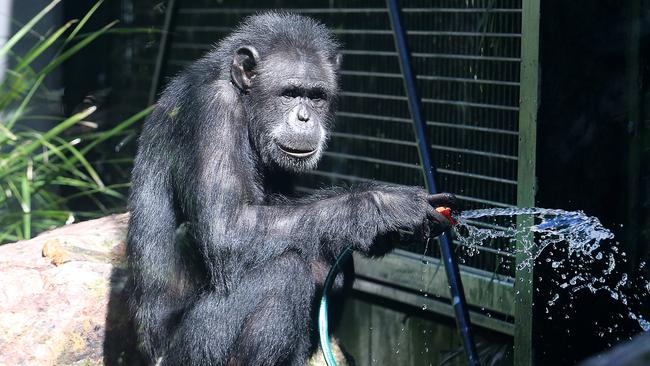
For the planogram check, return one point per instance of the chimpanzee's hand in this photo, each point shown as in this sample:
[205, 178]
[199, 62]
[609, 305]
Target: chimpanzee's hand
[438, 222]
[413, 209]
[409, 212]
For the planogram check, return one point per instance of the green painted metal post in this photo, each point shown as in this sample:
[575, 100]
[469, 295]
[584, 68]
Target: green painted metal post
[528, 106]
[633, 100]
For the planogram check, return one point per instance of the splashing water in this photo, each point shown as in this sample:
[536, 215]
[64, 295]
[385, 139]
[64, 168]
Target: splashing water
[580, 234]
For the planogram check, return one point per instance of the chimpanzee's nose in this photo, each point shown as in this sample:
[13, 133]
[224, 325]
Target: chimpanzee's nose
[303, 113]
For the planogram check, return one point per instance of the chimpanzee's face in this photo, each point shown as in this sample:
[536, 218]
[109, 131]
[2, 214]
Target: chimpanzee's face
[290, 104]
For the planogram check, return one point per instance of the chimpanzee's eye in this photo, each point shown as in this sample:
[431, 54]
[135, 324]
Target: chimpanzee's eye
[317, 95]
[291, 93]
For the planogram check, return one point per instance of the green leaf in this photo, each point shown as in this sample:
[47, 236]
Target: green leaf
[41, 47]
[26, 150]
[76, 48]
[26, 28]
[117, 129]
[83, 21]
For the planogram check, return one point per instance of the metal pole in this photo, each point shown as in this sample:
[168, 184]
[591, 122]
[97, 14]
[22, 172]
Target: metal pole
[526, 169]
[451, 266]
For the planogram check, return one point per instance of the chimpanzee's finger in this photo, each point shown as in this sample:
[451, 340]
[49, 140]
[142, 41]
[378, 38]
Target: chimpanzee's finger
[438, 223]
[444, 200]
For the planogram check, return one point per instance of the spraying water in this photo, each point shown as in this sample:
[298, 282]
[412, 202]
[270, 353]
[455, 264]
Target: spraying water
[582, 236]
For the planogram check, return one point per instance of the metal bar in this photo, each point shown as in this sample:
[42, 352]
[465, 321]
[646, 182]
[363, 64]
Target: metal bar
[474, 152]
[428, 77]
[526, 168]
[160, 59]
[372, 95]
[380, 32]
[451, 266]
[430, 100]
[464, 80]
[462, 34]
[461, 10]
[372, 138]
[368, 53]
[470, 104]
[483, 201]
[477, 176]
[220, 10]
[431, 55]
[464, 57]
[371, 160]
[459, 125]
[462, 126]
[409, 143]
[415, 166]
[427, 33]
[370, 74]
[372, 117]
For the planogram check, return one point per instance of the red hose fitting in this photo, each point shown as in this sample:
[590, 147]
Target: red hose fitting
[446, 212]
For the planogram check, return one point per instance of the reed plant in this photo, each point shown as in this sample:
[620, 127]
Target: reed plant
[44, 165]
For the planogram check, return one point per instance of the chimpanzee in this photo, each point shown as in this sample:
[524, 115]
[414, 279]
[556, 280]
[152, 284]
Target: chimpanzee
[216, 157]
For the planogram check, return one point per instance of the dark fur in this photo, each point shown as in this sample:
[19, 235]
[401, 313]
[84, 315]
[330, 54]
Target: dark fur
[241, 292]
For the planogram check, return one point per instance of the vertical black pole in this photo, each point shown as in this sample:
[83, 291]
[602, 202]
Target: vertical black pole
[451, 266]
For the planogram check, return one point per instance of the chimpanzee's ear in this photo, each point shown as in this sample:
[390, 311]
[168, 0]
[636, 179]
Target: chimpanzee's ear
[337, 60]
[242, 70]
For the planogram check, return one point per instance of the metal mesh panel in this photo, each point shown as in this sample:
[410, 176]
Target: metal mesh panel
[466, 57]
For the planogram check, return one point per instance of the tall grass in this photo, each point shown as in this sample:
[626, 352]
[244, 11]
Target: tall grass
[42, 168]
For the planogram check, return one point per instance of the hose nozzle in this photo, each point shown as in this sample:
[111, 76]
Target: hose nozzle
[446, 212]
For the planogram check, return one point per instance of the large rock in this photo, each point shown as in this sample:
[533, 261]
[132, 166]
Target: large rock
[54, 293]
[62, 298]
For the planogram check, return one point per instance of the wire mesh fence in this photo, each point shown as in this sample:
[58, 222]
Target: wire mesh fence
[467, 60]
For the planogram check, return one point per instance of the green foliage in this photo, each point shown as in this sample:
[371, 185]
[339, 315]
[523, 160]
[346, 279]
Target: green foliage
[42, 168]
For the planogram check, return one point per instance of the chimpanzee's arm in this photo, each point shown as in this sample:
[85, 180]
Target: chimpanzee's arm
[334, 218]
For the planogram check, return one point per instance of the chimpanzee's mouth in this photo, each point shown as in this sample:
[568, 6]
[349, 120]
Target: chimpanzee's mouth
[297, 153]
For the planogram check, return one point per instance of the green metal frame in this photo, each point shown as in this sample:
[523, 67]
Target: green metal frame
[420, 281]
[526, 173]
